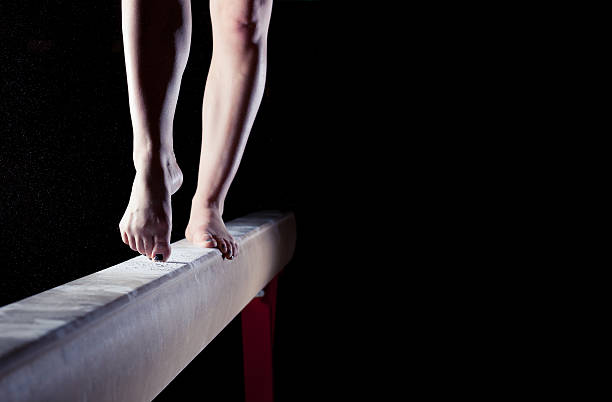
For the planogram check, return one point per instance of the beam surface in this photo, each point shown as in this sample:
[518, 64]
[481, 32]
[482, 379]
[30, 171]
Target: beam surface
[124, 333]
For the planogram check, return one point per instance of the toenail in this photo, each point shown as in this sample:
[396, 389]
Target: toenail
[158, 257]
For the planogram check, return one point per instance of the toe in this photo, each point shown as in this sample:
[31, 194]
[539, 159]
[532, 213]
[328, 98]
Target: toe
[125, 238]
[132, 242]
[232, 252]
[223, 246]
[140, 244]
[149, 243]
[207, 241]
[161, 250]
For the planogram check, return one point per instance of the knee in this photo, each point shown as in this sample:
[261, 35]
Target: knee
[243, 23]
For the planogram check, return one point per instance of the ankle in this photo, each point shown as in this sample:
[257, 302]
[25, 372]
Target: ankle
[147, 145]
[145, 159]
[209, 203]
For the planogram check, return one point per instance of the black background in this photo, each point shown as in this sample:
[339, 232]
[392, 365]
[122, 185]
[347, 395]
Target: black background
[66, 172]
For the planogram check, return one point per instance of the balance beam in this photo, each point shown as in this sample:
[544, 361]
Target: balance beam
[124, 333]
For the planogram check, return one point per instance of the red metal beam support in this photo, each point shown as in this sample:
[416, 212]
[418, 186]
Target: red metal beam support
[257, 344]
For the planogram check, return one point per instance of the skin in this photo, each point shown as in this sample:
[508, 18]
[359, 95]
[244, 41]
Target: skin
[157, 37]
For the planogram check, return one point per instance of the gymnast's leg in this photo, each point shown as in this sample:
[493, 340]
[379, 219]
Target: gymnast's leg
[156, 37]
[233, 93]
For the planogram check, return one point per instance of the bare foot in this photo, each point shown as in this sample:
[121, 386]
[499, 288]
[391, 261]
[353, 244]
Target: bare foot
[147, 222]
[206, 229]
